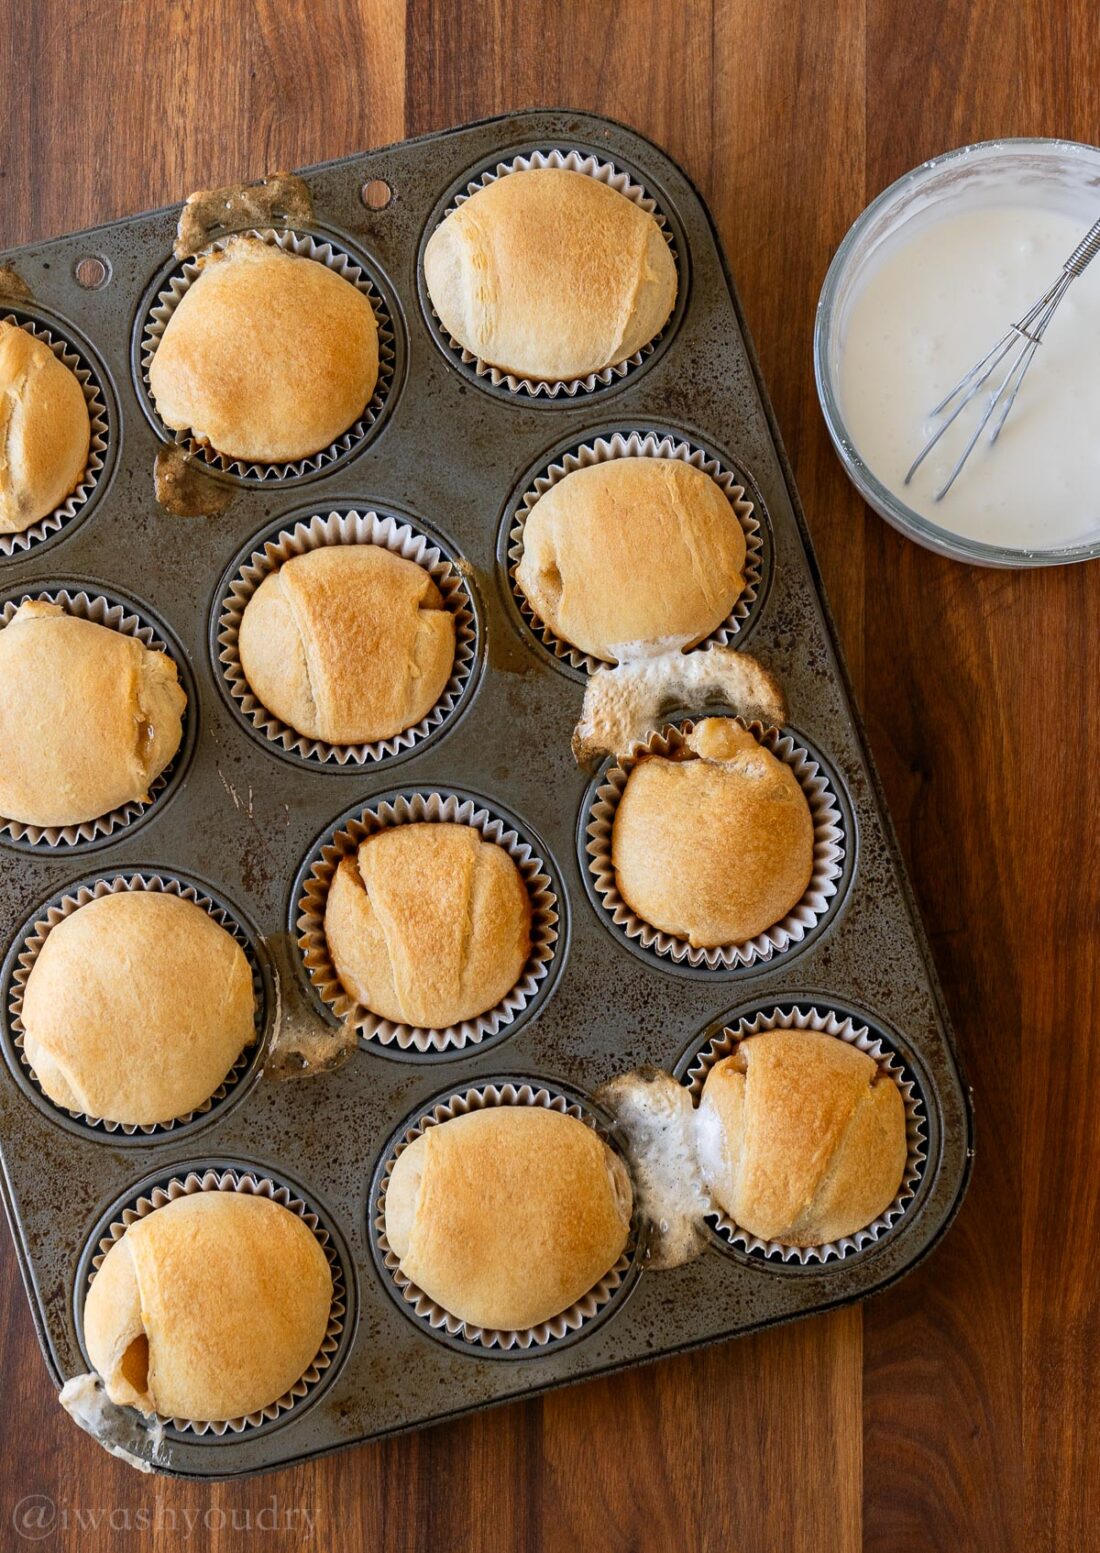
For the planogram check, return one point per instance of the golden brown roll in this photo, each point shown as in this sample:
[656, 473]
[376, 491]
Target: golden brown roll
[348, 643]
[268, 356]
[505, 1217]
[630, 551]
[802, 1137]
[429, 924]
[716, 844]
[136, 1008]
[550, 274]
[209, 1308]
[44, 430]
[88, 717]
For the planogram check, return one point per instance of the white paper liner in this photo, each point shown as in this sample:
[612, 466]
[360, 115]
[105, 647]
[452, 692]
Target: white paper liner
[828, 857]
[99, 610]
[433, 808]
[92, 389]
[843, 1028]
[40, 930]
[254, 1186]
[325, 251]
[439, 1320]
[604, 172]
[639, 444]
[346, 528]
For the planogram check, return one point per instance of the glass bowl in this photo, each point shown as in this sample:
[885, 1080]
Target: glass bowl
[997, 171]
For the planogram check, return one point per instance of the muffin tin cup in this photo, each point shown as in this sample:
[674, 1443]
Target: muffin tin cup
[254, 1185]
[35, 936]
[575, 161]
[100, 610]
[391, 533]
[640, 444]
[412, 808]
[844, 1028]
[334, 255]
[820, 897]
[528, 1341]
[95, 397]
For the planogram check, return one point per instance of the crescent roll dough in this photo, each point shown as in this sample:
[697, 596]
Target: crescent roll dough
[88, 717]
[806, 1137]
[631, 551]
[268, 356]
[716, 845]
[550, 274]
[348, 643]
[208, 1308]
[429, 924]
[136, 1007]
[44, 430]
[507, 1216]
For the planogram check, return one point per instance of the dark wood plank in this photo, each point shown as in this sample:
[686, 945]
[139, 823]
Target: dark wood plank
[976, 1371]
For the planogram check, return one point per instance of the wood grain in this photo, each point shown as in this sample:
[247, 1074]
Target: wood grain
[954, 1411]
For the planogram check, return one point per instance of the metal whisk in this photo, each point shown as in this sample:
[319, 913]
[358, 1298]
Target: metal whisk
[1021, 342]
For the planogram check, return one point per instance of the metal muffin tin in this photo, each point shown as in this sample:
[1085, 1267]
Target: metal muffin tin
[239, 817]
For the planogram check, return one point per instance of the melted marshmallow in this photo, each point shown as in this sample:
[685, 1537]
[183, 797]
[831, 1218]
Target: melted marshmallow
[656, 1114]
[87, 1403]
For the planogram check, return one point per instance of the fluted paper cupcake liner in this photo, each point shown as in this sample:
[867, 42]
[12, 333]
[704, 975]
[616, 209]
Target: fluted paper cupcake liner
[118, 617]
[434, 808]
[604, 172]
[828, 853]
[639, 444]
[255, 1186]
[325, 250]
[528, 1339]
[844, 1028]
[39, 929]
[95, 399]
[346, 528]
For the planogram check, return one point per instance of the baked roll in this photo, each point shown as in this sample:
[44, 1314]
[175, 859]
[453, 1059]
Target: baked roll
[802, 1137]
[716, 844]
[505, 1217]
[268, 356]
[209, 1308]
[44, 430]
[89, 718]
[348, 643]
[429, 924]
[632, 551]
[136, 1007]
[550, 274]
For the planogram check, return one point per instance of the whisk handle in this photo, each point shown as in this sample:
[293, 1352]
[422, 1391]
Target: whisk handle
[1085, 252]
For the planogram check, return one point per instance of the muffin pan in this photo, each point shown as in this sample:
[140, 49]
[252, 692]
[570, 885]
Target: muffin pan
[243, 816]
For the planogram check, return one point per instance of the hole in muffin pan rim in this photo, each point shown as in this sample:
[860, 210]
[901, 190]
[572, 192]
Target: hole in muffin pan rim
[899, 1047]
[104, 1215]
[286, 522]
[562, 401]
[779, 960]
[251, 1062]
[280, 476]
[405, 165]
[559, 957]
[90, 359]
[676, 431]
[173, 778]
[592, 1115]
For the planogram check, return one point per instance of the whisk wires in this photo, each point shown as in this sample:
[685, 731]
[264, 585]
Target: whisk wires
[1017, 347]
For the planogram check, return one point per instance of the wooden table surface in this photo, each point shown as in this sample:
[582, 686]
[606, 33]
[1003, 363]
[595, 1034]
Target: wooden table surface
[952, 1412]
